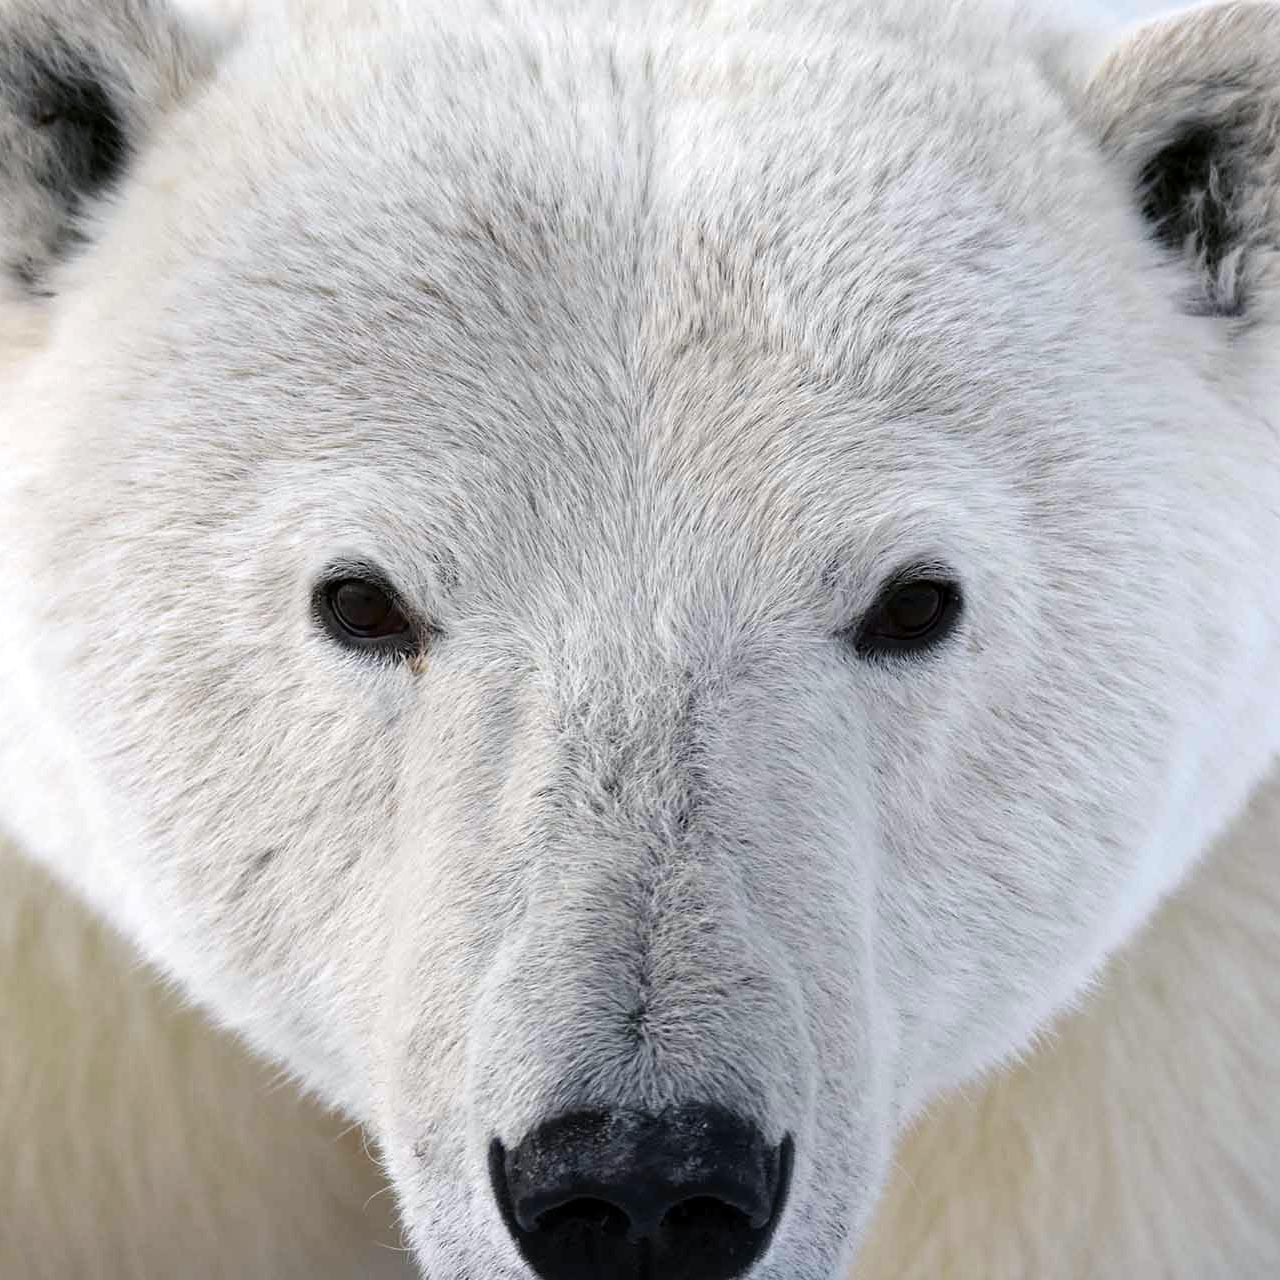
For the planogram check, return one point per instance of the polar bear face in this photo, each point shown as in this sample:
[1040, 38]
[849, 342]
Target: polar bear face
[632, 596]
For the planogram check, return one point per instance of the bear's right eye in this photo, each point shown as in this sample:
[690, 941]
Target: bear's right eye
[364, 614]
[916, 610]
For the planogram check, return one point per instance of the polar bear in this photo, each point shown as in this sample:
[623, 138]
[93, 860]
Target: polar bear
[636, 593]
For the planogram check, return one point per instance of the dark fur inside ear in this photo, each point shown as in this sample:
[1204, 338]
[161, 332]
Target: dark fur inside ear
[1194, 193]
[68, 97]
[82, 83]
[1188, 109]
[67, 143]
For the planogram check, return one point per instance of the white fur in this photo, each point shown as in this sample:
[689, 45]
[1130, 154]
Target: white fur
[139, 1142]
[638, 345]
[1138, 1139]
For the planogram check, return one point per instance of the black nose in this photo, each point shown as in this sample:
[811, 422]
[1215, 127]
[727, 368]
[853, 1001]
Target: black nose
[692, 1194]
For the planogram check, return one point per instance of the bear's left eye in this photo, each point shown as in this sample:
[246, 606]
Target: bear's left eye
[912, 613]
[364, 614]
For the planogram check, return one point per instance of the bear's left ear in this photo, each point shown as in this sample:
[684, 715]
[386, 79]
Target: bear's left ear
[1190, 106]
[82, 85]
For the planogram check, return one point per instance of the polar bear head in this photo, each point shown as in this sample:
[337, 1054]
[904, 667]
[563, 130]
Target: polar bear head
[633, 590]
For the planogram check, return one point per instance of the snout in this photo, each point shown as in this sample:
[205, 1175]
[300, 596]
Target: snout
[694, 1193]
[632, 1049]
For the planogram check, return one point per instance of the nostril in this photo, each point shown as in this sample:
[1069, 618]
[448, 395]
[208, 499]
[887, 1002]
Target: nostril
[593, 1216]
[698, 1216]
[692, 1194]
[704, 1216]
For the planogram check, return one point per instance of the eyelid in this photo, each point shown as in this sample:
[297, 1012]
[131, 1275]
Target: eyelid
[856, 601]
[343, 569]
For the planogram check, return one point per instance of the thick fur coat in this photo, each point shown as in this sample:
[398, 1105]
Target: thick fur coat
[641, 356]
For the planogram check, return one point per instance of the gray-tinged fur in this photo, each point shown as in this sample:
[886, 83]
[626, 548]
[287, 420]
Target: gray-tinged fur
[81, 85]
[1192, 108]
[638, 346]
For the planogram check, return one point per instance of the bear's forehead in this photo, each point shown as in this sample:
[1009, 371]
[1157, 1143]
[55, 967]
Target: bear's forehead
[623, 214]
[731, 283]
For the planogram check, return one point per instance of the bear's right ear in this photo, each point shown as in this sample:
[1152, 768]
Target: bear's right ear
[1189, 106]
[82, 83]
